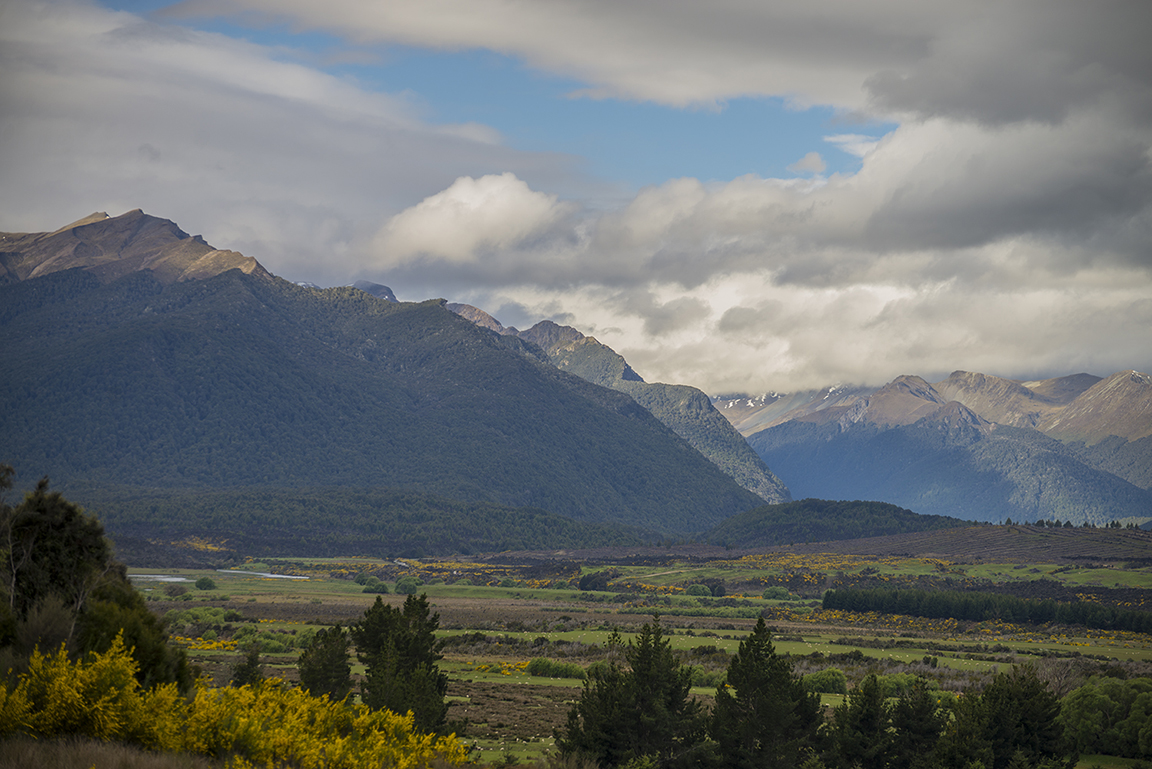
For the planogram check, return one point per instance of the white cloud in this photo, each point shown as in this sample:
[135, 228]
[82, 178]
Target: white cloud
[810, 163]
[1004, 226]
[106, 111]
[854, 144]
[469, 218]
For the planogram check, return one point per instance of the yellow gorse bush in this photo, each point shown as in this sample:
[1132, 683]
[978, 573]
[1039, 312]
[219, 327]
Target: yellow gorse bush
[270, 725]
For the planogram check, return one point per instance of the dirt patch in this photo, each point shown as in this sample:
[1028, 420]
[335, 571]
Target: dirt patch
[510, 711]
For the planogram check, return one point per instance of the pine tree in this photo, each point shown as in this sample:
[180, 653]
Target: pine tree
[640, 713]
[324, 667]
[399, 650]
[763, 717]
[917, 722]
[861, 727]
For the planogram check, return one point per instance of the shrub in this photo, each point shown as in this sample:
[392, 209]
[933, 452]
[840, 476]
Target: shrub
[778, 593]
[173, 590]
[546, 668]
[205, 583]
[699, 590]
[827, 681]
[408, 585]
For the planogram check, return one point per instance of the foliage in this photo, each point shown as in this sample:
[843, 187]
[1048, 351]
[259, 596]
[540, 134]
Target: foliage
[62, 585]
[408, 585]
[1110, 715]
[764, 716]
[269, 725]
[323, 665]
[978, 607]
[399, 650]
[640, 713]
[826, 681]
[816, 520]
[205, 583]
[542, 666]
[861, 728]
[248, 671]
[116, 373]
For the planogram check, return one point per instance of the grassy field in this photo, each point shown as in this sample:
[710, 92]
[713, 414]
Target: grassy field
[497, 616]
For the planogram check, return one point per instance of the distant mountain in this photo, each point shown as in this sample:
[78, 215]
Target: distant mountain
[819, 520]
[151, 370]
[686, 410]
[111, 248]
[973, 446]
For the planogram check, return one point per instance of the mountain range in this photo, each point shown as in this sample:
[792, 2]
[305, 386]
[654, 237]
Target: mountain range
[183, 391]
[687, 410]
[973, 446]
[137, 357]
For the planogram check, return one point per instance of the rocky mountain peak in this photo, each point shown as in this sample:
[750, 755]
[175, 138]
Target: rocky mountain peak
[112, 247]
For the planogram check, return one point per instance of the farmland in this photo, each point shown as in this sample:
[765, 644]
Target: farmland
[500, 612]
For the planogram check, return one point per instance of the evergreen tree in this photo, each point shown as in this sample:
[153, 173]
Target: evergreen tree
[399, 650]
[764, 717]
[248, 671]
[642, 713]
[861, 727]
[1022, 716]
[324, 667]
[917, 722]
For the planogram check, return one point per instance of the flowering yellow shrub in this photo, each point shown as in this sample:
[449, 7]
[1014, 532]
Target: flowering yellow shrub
[270, 725]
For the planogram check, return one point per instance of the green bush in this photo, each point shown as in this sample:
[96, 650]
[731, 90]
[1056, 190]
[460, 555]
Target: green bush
[779, 593]
[827, 681]
[408, 585]
[546, 668]
[699, 590]
[205, 583]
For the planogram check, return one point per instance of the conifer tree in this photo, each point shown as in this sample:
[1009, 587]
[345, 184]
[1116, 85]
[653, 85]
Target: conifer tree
[861, 727]
[324, 667]
[764, 717]
[399, 650]
[642, 713]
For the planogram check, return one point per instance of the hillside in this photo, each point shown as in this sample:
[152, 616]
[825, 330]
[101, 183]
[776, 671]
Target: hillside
[686, 410]
[114, 376]
[818, 520]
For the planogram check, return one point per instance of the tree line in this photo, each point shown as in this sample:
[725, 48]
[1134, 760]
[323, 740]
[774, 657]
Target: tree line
[637, 712]
[980, 607]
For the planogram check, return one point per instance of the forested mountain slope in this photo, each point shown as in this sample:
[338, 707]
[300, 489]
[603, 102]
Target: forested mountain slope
[245, 380]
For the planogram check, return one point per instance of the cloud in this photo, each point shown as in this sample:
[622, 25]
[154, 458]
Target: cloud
[810, 163]
[470, 217]
[104, 110]
[1004, 226]
[992, 62]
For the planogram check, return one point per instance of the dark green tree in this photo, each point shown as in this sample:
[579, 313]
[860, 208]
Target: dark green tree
[1022, 716]
[860, 730]
[642, 712]
[324, 667]
[917, 722]
[764, 717]
[399, 651]
[964, 742]
[248, 671]
[50, 547]
[62, 584]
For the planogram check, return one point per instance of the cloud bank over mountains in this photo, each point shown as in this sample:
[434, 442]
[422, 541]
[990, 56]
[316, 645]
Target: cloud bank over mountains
[1004, 226]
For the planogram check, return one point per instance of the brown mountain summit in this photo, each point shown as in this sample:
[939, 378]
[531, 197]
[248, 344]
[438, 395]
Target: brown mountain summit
[111, 247]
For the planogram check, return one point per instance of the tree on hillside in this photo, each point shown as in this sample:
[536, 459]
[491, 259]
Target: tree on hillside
[324, 667]
[643, 712]
[764, 716]
[399, 650]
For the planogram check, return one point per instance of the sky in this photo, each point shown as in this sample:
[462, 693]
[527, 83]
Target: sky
[740, 196]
